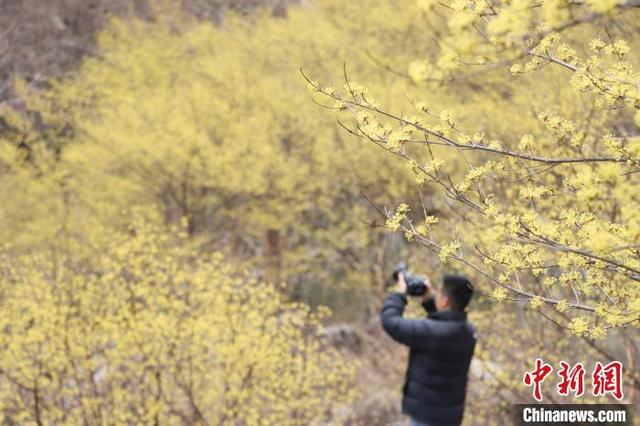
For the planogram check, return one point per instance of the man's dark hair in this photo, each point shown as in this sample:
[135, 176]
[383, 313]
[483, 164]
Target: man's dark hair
[459, 289]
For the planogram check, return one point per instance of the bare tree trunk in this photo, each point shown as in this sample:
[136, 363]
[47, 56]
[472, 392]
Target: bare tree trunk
[273, 255]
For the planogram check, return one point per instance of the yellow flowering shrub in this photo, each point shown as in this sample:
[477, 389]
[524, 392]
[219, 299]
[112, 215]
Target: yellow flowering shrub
[212, 123]
[150, 332]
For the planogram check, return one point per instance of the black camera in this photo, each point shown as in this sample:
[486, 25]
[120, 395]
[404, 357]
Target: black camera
[416, 285]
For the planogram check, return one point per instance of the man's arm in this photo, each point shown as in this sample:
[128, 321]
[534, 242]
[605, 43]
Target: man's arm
[429, 304]
[410, 332]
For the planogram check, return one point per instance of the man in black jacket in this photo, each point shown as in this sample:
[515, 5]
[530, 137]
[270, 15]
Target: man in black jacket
[440, 350]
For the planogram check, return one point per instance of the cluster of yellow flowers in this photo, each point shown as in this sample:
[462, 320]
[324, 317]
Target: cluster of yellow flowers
[559, 149]
[151, 332]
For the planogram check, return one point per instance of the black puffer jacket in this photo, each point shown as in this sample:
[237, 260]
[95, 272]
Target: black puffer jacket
[441, 347]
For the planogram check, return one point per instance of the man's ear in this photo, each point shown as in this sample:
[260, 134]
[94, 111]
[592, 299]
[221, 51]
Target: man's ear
[446, 301]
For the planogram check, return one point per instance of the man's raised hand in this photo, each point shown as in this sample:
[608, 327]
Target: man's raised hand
[401, 286]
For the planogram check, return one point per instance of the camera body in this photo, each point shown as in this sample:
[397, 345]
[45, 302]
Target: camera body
[416, 285]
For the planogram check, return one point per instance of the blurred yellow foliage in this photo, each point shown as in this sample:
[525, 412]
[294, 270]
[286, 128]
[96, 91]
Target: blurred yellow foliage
[152, 333]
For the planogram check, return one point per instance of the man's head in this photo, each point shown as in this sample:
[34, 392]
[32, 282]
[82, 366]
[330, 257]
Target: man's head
[455, 293]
